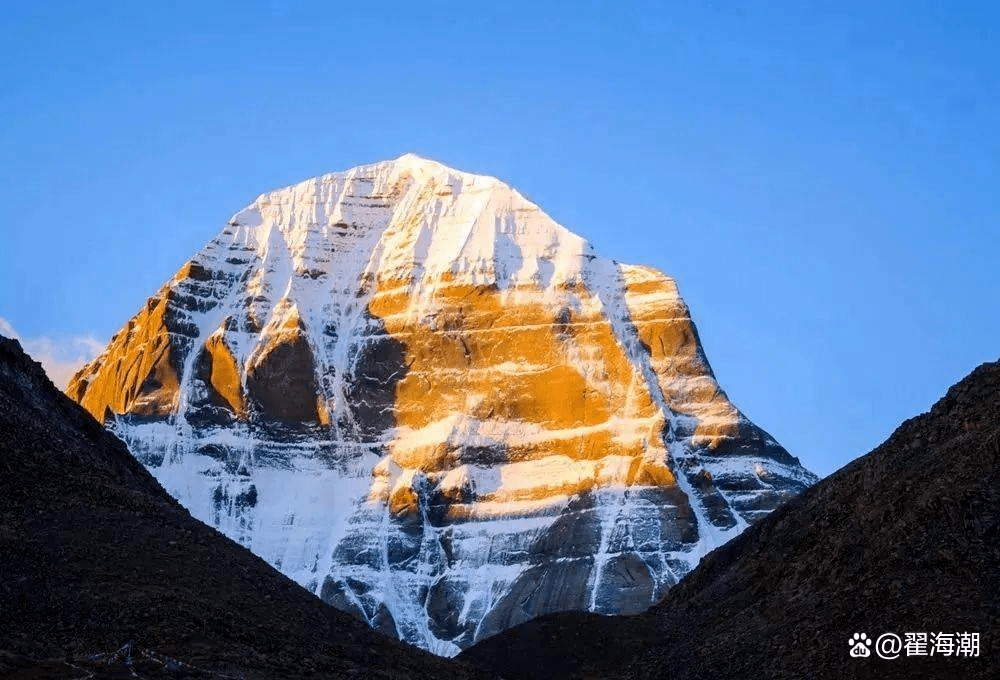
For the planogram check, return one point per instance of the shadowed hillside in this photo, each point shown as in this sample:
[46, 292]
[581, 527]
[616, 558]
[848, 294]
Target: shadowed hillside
[904, 539]
[94, 554]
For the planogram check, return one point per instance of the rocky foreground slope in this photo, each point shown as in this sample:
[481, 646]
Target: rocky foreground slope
[94, 554]
[903, 540]
[417, 395]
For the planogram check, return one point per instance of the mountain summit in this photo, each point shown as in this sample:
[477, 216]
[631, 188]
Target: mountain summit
[414, 393]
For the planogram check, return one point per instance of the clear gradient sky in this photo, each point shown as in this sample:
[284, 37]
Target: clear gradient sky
[821, 178]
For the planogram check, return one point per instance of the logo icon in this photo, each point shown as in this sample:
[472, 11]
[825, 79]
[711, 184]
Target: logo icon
[859, 644]
[888, 646]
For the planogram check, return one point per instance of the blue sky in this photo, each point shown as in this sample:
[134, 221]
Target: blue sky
[820, 178]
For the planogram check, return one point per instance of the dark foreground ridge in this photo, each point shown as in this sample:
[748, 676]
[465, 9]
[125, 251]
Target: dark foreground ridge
[904, 539]
[94, 554]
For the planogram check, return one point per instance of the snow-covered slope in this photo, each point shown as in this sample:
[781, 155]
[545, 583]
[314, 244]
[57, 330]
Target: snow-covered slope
[413, 392]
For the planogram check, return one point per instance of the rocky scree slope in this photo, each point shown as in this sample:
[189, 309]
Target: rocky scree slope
[415, 394]
[904, 539]
[94, 554]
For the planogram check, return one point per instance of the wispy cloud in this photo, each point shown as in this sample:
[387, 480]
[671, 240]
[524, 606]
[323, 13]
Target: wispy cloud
[60, 356]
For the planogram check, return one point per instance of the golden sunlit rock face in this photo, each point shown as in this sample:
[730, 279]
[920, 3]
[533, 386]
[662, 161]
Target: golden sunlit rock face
[218, 370]
[140, 374]
[417, 395]
[532, 379]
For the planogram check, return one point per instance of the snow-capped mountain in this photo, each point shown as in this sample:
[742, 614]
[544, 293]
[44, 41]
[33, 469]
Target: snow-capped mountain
[413, 392]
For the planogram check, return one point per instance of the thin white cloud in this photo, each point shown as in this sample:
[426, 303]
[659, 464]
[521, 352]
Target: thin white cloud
[7, 330]
[61, 357]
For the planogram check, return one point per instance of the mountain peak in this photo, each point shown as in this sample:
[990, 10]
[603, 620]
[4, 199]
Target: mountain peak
[409, 166]
[411, 160]
[435, 407]
[410, 219]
